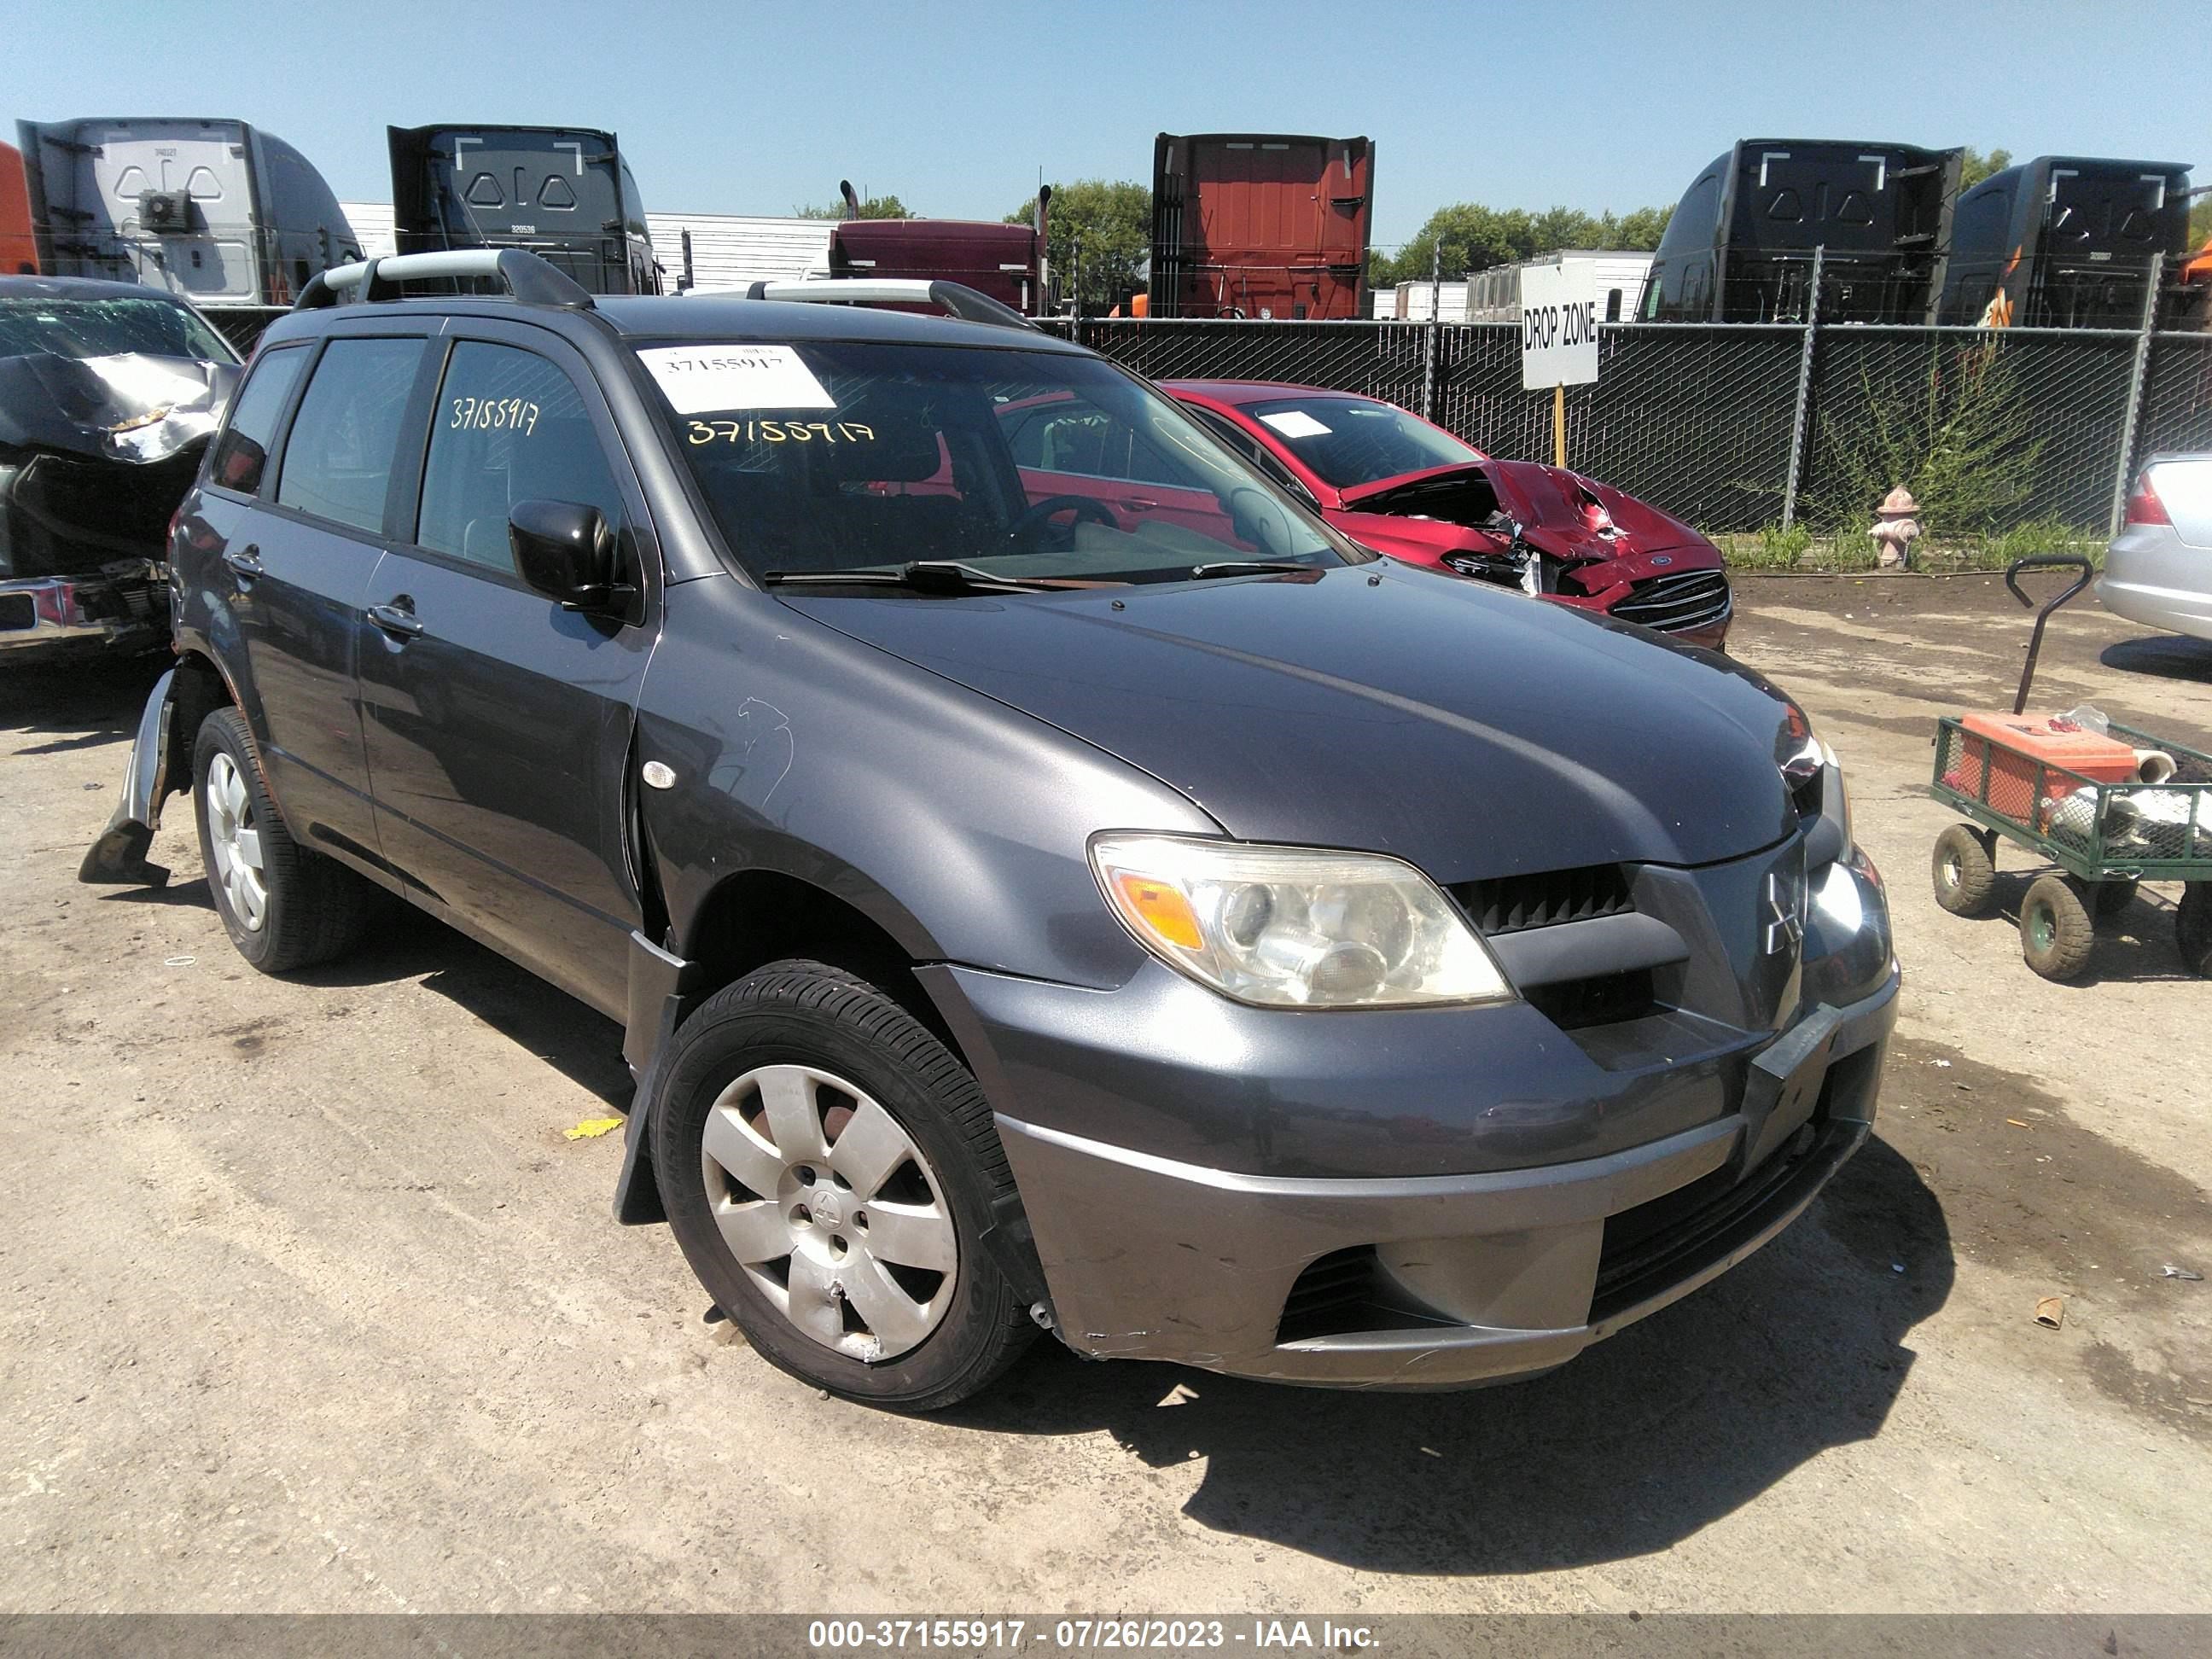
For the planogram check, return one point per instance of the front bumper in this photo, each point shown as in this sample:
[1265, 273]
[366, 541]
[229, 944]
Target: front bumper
[1430, 1281]
[118, 609]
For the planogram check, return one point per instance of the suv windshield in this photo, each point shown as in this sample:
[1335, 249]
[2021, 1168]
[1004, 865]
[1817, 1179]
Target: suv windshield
[836, 457]
[103, 328]
[1349, 441]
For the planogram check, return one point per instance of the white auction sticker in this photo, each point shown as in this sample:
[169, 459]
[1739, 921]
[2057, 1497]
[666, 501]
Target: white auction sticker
[698, 378]
[1296, 423]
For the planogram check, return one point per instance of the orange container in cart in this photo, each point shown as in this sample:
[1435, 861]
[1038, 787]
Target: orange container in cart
[2010, 744]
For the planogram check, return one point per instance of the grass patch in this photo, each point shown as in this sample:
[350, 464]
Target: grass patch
[1774, 551]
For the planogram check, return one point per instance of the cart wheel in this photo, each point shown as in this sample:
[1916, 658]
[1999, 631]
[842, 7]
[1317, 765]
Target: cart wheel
[2056, 933]
[1965, 874]
[2192, 927]
[2114, 896]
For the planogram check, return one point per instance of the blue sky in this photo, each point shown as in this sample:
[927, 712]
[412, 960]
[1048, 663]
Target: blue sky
[743, 108]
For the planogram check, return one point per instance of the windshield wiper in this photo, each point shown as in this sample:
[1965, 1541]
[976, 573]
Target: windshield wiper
[1251, 568]
[923, 577]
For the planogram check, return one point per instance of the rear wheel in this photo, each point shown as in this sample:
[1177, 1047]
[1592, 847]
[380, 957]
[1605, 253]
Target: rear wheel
[2056, 932]
[829, 1168]
[283, 905]
[2192, 927]
[1965, 870]
[2114, 896]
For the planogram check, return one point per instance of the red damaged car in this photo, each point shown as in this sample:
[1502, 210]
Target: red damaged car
[1395, 483]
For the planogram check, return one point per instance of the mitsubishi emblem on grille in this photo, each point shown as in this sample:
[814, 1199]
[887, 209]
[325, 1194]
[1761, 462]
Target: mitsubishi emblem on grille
[1785, 927]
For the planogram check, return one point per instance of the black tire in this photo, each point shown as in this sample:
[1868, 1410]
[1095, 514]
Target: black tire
[2113, 897]
[2056, 932]
[1965, 870]
[2192, 927]
[808, 1014]
[314, 909]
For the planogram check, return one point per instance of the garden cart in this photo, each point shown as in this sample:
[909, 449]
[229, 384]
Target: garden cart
[2109, 805]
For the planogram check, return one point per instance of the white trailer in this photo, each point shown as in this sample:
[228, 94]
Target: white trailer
[221, 212]
[1494, 295]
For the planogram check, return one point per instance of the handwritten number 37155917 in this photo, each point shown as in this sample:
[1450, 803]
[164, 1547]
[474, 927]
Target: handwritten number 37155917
[780, 431]
[495, 414]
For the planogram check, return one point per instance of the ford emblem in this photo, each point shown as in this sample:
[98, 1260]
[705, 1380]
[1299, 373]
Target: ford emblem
[1662, 558]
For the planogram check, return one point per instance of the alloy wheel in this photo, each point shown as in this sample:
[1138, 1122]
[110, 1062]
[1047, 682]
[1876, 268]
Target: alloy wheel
[236, 840]
[829, 1204]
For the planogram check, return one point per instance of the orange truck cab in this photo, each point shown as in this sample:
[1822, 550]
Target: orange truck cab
[19, 247]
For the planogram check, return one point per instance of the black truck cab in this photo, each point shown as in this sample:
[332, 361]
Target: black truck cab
[1740, 246]
[2064, 241]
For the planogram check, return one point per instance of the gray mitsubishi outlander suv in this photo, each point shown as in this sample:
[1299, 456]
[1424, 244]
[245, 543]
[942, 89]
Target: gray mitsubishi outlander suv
[1135, 912]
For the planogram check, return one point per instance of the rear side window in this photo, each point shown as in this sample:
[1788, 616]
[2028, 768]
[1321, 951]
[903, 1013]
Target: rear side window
[509, 427]
[338, 461]
[241, 455]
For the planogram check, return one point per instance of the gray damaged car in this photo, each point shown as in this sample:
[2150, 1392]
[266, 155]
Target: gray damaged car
[109, 392]
[1140, 914]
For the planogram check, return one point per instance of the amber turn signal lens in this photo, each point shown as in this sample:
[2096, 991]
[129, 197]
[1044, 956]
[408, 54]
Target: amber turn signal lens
[1162, 910]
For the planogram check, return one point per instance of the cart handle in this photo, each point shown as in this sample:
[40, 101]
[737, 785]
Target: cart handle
[2035, 561]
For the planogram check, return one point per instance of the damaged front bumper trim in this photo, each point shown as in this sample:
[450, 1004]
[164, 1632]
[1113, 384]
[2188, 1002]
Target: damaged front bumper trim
[118, 858]
[118, 609]
[1513, 1272]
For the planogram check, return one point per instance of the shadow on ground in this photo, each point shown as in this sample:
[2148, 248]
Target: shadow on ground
[405, 944]
[2135, 946]
[1631, 1447]
[82, 705]
[2167, 656]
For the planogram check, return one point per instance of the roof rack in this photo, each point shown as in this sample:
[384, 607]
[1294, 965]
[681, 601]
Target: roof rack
[527, 277]
[954, 298]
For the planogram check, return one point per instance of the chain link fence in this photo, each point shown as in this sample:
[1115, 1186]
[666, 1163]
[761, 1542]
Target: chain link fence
[1699, 418]
[2023, 424]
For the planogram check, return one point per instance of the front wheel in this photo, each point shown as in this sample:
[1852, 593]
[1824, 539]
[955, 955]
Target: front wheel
[1965, 870]
[2056, 932]
[829, 1168]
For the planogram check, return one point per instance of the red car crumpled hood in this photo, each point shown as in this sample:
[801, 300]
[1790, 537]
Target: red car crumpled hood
[1549, 500]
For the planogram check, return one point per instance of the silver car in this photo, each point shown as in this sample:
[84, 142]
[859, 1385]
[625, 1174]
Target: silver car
[2159, 570]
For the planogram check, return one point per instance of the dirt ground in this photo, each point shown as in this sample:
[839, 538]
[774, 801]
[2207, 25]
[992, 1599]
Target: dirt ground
[308, 1304]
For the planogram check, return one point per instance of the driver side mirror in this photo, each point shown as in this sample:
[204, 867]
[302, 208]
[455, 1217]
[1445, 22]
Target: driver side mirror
[565, 551]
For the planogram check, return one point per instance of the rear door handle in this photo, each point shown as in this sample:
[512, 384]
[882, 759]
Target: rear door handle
[396, 619]
[244, 561]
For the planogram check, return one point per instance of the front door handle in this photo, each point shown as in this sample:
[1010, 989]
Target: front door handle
[1138, 504]
[396, 619]
[244, 561]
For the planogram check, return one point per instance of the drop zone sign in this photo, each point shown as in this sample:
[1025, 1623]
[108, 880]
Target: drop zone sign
[1558, 324]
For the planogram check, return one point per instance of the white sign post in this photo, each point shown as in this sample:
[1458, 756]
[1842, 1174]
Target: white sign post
[1558, 336]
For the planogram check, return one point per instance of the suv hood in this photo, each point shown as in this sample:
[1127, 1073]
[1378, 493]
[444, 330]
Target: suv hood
[1472, 732]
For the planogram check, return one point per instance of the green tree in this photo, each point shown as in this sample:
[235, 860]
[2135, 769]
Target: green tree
[2200, 223]
[1472, 237]
[1976, 167]
[1112, 219]
[872, 207]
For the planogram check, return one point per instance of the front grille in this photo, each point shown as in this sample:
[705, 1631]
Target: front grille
[1607, 1000]
[1513, 904]
[1661, 1242]
[1681, 599]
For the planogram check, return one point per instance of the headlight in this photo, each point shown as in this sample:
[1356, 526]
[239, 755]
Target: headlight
[1294, 927]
